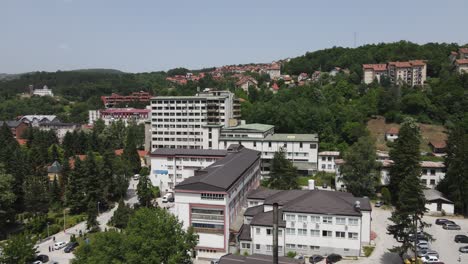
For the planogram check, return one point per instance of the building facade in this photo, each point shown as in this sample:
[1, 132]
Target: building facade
[113, 100]
[45, 91]
[211, 200]
[60, 129]
[126, 115]
[17, 128]
[374, 72]
[192, 122]
[326, 161]
[412, 73]
[310, 222]
[461, 66]
[170, 167]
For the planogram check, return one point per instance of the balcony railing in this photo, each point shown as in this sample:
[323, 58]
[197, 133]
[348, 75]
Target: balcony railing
[197, 216]
[208, 230]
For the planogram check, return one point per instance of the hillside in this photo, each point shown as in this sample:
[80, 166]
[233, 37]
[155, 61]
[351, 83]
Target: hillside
[377, 128]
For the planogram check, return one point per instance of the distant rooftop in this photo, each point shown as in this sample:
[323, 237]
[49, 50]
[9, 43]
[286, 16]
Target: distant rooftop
[255, 126]
[188, 152]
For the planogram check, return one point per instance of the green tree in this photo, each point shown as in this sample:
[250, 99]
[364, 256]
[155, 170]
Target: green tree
[121, 215]
[75, 189]
[283, 175]
[36, 194]
[7, 198]
[18, 249]
[145, 195]
[359, 172]
[410, 204]
[92, 214]
[386, 196]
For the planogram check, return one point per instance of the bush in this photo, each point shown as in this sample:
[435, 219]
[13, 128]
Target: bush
[291, 254]
[386, 196]
[368, 250]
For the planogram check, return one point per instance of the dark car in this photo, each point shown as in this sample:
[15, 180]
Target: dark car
[315, 258]
[333, 258]
[42, 258]
[324, 186]
[443, 221]
[379, 204]
[451, 226]
[463, 249]
[70, 247]
[461, 239]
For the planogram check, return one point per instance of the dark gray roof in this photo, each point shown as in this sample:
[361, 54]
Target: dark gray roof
[244, 233]
[55, 167]
[11, 123]
[252, 211]
[59, 124]
[255, 259]
[266, 219]
[222, 174]
[188, 152]
[261, 193]
[284, 197]
[432, 195]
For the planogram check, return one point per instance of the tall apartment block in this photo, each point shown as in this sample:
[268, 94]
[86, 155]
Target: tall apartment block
[412, 73]
[187, 121]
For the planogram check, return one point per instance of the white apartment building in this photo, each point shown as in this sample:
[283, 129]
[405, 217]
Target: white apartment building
[326, 160]
[301, 149]
[60, 129]
[126, 115]
[374, 72]
[170, 167]
[310, 222]
[211, 200]
[192, 122]
[45, 91]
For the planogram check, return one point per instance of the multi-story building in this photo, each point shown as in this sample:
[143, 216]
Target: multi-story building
[463, 53]
[211, 200]
[461, 66]
[310, 222]
[113, 100]
[45, 91]
[326, 160]
[274, 70]
[126, 115]
[301, 149]
[192, 121]
[17, 128]
[170, 167]
[412, 73]
[374, 72]
[60, 128]
[36, 120]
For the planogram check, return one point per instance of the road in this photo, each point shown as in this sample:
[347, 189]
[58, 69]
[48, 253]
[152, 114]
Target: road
[59, 255]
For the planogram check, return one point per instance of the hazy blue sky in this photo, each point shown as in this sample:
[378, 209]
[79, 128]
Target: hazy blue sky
[151, 35]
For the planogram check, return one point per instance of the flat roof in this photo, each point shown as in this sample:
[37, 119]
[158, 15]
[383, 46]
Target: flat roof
[255, 126]
[222, 174]
[188, 152]
[255, 259]
[277, 138]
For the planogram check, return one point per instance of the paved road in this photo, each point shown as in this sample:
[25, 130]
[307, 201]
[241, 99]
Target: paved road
[60, 256]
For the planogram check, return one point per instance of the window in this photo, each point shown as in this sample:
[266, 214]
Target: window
[353, 221]
[432, 182]
[313, 146]
[315, 219]
[257, 231]
[269, 247]
[340, 234]
[329, 166]
[257, 246]
[269, 144]
[314, 248]
[315, 233]
[424, 171]
[246, 245]
[280, 232]
[341, 221]
[291, 246]
[290, 217]
[302, 232]
[269, 232]
[299, 246]
[255, 144]
[285, 145]
[432, 172]
[327, 220]
[329, 158]
[300, 144]
[302, 218]
[352, 235]
[324, 158]
[323, 166]
[212, 196]
[169, 159]
[290, 231]
[346, 250]
[424, 181]
[326, 233]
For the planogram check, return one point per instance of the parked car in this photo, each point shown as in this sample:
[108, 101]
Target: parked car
[379, 204]
[419, 236]
[59, 245]
[451, 227]
[333, 258]
[442, 221]
[136, 177]
[70, 247]
[215, 261]
[461, 239]
[427, 252]
[430, 259]
[42, 258]
[167, 197]
[324, 186]
[463, 249]
[315, 258]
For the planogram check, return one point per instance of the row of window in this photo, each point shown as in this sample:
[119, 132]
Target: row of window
[324, 219]
[211, 196]
[428, 172]
[174, 146]
[313, 233]
[175, 114]
[329, 166]
[178, 126]
[431, 182]
[184, 133]
[185, 139]
[288, 246]
[188, 159]
[184, 120]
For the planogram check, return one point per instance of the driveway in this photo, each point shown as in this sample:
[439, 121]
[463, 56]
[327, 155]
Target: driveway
[59, 255]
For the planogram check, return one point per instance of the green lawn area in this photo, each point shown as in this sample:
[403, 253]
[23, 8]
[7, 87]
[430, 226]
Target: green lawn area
[320, 178]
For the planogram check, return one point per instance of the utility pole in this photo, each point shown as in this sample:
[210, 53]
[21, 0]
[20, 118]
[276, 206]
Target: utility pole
[275, 233]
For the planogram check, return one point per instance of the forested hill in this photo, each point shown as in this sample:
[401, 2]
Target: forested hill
[352, 58]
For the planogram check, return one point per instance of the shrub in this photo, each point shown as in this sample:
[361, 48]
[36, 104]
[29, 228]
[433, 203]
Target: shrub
[291, 254]
[386, 196]
[368, 250]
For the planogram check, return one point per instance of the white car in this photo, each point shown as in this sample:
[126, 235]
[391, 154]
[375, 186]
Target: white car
[59, 245]
[429, 259]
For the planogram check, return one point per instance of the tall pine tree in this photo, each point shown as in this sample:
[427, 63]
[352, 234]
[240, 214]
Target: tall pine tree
[283, 175]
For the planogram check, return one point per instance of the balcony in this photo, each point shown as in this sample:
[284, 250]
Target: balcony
[212, 217]
[208, 230]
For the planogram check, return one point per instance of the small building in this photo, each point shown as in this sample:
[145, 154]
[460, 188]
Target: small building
[45, 91]
[245, 82]
[438, 147]
[373, 72]
[461, 66]
[432, 172]
[436, 203]
[54, 171]
[60, 129]
[334, 71]
[326, 160]
[114, 99]
[17, 128]
[274, 70]
[463, 53]
[392, 134]
[303, 77]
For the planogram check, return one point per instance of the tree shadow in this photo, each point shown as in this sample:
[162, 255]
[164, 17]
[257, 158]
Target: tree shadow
[390, 258]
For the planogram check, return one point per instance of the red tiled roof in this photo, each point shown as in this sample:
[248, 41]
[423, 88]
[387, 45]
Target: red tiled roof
[461, 61]
[245, 79]
[400, 64]
[71, 161]
[393, 130]
[454, 53]
[275, 87]
[417, 62]
[142, 153]
[432, 164]
[375, 67]
[463, 50]
[118, 152]
[438, 144]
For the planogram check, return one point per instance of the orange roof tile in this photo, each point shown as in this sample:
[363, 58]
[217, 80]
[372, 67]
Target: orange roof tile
[461, 61]
[393, 130]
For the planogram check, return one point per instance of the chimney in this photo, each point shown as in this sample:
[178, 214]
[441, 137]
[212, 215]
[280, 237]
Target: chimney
[275, 233]
[357, 206]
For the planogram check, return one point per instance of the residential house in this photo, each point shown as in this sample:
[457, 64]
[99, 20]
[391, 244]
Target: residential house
[334, 71]
[432, 172]
[274, 70]
[60, 129]
[211, 200]
[392, 134]
[463, 53]
[274, 88]
[17, 128]
[412, 73]
[437, 203]
[310, 222]
[316, 76]
[302, 77]
[461, 66]
[326, 161]
[287, 79]
[143, 154]
[45, 91]
[438, 147]
[374, 72]
[245, 82]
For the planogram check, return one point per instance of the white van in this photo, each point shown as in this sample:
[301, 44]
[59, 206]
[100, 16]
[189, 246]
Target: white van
[168, 197]
[59, 245]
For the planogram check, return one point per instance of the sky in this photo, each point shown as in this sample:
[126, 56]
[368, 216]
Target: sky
[154, 35]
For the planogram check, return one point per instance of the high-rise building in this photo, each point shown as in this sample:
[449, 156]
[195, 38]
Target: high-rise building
[188, 121]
